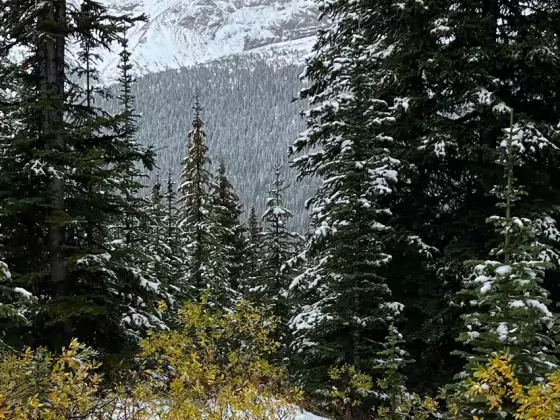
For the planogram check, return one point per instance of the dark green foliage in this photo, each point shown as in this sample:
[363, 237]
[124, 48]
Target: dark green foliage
[460, 69]
[346, 305]
[446, 75]
[65, 175]
[507, 307]
[279, 247]
[229, 250]
[195, 217]
[253, 249]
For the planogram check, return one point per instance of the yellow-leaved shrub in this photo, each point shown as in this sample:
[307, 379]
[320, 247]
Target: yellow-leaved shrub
[496, 384]
[214, 366]
[36, 385]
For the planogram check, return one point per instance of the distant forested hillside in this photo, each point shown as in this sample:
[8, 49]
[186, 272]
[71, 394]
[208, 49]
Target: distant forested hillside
[250, 121]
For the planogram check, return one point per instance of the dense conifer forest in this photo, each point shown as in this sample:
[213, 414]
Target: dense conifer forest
[250, 118]
[166, 254]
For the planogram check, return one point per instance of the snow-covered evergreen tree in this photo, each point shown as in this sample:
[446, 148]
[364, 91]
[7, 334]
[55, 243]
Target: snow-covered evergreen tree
[227, 257]
[140, 262]
[346, 306]
[253, 250]
[508, 306]
[156, 243]
[450, 71]
[65, 173]
[278, 247]
[229, 231]
[174, 237]
[462, 69]
[195, 211]
[392, 359]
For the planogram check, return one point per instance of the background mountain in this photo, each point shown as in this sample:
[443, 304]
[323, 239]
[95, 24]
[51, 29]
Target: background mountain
[243, 58]
[181, 33]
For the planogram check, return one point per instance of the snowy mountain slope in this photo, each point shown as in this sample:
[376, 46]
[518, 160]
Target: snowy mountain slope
[249, 117]
[182, 33]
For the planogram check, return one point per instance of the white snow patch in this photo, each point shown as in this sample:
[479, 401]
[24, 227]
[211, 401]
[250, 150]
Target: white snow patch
[503, 270]
[23, 292]
[503, 332]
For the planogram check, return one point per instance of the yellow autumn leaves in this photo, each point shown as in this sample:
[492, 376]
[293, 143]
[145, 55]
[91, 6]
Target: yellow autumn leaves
[36, 385]
[493, 385]
[212, 370]
[214, 366]
[498, 386]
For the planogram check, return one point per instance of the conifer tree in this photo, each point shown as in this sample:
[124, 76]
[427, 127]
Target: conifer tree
[153, 248]
[346, 305]
[279, 247]
[508, 305]
[392, 360]
[173, 234]
[253, 249]
[448, 75]
[459, 70]
[229, 250]
[134, 235]
[65, 173]
[195, 210]
[171, 220]
[130, 222]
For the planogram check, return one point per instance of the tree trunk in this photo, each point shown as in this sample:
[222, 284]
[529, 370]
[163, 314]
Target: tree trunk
[52, 79]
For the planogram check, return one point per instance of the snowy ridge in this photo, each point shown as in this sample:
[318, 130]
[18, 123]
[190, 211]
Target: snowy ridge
[183, 33]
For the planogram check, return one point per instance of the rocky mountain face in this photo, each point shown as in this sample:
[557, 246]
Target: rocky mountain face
[182, 33]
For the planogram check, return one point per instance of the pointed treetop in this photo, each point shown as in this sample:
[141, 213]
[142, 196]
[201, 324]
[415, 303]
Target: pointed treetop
[278, 166]
[253, 214]
[197, 121]
[222, 168]
[156, 191]
[170, 183]
[279, 182]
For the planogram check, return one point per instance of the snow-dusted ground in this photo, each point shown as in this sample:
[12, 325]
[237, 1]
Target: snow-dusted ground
[301, 416]
[308, 416]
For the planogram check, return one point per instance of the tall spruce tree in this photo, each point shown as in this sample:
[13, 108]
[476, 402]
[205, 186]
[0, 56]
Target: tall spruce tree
[130, 221]
[346, 304]
[172, 233]
[132, 236]
[229, 248]
[253, 249]
[195, 210]
[155, 244]
[508, 307]
[279, 247]
[63, 174]
[449, 71]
